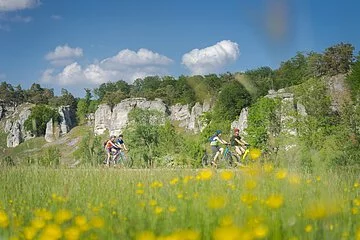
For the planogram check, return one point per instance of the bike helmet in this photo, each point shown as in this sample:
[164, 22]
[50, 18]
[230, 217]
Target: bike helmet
[218, 132]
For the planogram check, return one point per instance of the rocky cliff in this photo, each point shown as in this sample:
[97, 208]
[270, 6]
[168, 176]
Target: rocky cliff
[12, 119]
[115, 120]
[56, 129]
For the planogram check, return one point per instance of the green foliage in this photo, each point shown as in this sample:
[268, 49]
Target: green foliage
[338, 58]
[111, 87]
[51, 157]
[85, 106]
[90, 150]
[263, 122]
[291, 72]
[262, 79]
[232, 98]
[40, 115]
[7, 161]
[353, 80]
[66, 99]
[144, 134]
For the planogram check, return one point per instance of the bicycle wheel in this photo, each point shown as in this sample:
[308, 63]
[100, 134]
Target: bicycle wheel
[205, 160]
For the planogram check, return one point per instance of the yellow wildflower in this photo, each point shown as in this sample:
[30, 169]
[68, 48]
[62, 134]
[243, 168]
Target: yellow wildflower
[255, 153]
[97, 222]
[228, 233]
[140, 185]
[216, 202]
[153, 202]
[62, 216]
[158, 210]
[174, 181]
[44, 214]
[38, 223]
[146, 235]
[356, 201]
[261, 231]
[156, 184]
[268, 167]
[30, 233]
[172, 209]
[227, 175]
[185, 235]
[139, 191]
[51, 231]
[308, 228]
[4, 219]
[275, 201]
[180, 195]
[319, 210]
[226, 221]
[248, 198]
[281, 174]
[205, 174]
[356, 184]
[250, 184]
[72, 233]
[82, 223]
[294, 179]
[355, 211]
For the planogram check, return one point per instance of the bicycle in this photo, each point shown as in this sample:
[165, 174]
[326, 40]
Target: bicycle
[121, 158]
[228, 158]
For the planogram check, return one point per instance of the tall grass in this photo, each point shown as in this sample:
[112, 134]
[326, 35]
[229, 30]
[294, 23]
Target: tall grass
[258, 202]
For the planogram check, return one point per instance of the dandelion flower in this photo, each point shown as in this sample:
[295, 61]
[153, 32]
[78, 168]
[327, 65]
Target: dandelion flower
[217, 202]
[4, 219]
[308, 228]
[275, 201]
[227, 175]
[146, 235]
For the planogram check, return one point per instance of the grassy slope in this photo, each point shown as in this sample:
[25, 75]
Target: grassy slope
[38, 146]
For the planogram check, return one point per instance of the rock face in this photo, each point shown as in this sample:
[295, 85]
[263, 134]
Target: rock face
[15, 127]
[339, 92]
[1, 111]
[241, 123]
[67, 119]
[116, 119]
[67, 122]
[190, 119]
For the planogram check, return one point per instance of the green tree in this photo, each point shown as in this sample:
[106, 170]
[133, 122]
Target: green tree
[338, 58]
[291, 72]
[39, 117]
[232, 98]
[144, 134]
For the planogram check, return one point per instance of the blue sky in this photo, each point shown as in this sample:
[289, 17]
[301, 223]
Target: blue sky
[82, 43]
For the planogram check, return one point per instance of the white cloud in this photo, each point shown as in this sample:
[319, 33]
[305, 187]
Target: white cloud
[14, 5]
[63, 55]
[127, 65]
[211, 59]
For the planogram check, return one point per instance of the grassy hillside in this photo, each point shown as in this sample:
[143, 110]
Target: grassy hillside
[38, 147]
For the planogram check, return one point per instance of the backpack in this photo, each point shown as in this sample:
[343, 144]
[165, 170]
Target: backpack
[211, 138]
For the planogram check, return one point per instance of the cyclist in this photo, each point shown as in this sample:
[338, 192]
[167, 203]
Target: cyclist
[120, 146]
[215, 148]
[109, 145]
[238, 142]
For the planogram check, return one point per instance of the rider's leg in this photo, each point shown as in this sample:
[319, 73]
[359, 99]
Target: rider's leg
[108, 151]
[238, 151]
[216, 151]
